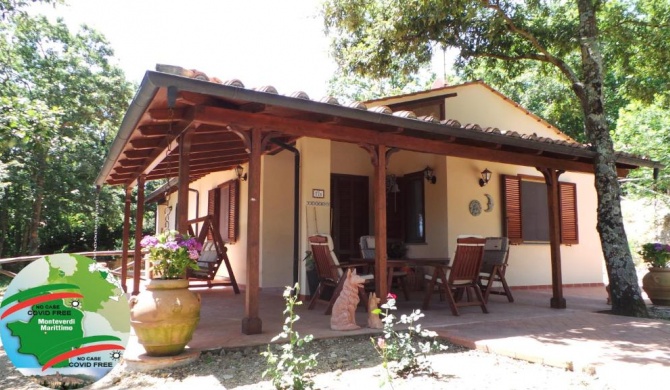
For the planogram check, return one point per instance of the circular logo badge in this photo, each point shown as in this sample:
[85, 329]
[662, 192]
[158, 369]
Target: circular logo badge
[64, 321]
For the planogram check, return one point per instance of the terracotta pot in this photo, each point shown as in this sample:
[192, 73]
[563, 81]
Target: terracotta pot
[656, 283]
[164, 316]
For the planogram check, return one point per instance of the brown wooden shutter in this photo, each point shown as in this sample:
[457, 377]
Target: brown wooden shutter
[568, 212]
[227, 210]
[512, 208]
[233, 210]
[212, 207]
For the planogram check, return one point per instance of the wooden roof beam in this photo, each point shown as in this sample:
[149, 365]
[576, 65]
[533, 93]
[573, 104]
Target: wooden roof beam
[169, 142]
[169, 114]
[209, 156]
[298, 127]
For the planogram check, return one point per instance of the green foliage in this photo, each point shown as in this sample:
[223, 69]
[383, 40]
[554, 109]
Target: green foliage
[644, 129]
[288, 369]
[402, 352]
[361, 88]
[61, 101]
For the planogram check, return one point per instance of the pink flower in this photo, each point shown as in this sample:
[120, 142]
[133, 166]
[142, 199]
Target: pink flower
[381, 343]
[391, 296]
[148, 241]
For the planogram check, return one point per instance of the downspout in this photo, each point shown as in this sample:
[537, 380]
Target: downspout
[197, 207]
[296, 206]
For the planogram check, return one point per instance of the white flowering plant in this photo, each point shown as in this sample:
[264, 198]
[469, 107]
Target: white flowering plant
[172, 254]
[402, 352]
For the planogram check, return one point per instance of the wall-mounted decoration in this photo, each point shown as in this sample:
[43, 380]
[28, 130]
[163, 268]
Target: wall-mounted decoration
[316, 203]
[475, 208]
[489, 203]
[318, 194]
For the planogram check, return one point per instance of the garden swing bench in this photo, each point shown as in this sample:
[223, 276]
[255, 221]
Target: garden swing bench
[213, 253]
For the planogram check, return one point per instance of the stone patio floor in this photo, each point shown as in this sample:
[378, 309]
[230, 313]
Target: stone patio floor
[625, 350]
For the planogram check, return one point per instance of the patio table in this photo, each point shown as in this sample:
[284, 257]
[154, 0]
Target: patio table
[439, 265]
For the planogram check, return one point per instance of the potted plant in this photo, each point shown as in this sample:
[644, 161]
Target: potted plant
[166, 314]
[656, 283]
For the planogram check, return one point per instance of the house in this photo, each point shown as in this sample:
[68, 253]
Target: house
[405, 167]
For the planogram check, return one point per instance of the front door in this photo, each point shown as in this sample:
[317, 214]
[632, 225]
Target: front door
[349, 204]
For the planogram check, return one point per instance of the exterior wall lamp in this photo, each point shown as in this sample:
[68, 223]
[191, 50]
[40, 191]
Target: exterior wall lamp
[429, 174]
[240, 175]
[486, 176]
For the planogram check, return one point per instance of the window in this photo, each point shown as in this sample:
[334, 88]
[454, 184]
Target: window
[526, 213]
[223, 204]
[430, 106]
[405, 210]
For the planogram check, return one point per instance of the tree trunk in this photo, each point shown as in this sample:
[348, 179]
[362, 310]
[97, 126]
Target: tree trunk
[4, 223]
[625, 290]
[33, 236]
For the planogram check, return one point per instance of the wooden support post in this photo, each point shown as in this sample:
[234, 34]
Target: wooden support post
[139, 222]
[551, 178]
[184, 173]
[251, 323]
[125, 240]
[379, 191]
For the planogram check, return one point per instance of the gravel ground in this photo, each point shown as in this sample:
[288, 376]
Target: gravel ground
[347, 362]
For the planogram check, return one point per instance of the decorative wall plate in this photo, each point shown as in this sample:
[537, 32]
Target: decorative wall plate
[475, 208]
[489, 203]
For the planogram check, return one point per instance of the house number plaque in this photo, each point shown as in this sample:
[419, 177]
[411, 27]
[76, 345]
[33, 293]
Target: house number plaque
[317, 193]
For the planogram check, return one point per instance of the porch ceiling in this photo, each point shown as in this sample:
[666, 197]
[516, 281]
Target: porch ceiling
[219, 116]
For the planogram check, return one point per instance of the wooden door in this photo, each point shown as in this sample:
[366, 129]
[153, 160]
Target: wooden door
[350, 217]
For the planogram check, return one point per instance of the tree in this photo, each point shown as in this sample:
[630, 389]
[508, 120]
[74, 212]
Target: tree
[645, 129]
[61, 100]
[360, 88]
[383, 37]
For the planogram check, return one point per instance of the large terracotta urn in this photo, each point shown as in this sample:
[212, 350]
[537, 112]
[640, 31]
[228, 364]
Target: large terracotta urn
[164, 316]
[656, 283]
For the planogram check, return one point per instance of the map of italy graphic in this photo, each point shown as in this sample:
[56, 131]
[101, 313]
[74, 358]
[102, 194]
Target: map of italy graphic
[73, 320]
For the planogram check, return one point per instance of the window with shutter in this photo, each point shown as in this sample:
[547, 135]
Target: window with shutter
[568, 201]
[223, 203]
[512, 211]
[525, 213]
[212, 207]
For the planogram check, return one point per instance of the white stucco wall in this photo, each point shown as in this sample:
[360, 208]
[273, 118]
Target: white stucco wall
[529, 264]
[277, 220]
[314, 174]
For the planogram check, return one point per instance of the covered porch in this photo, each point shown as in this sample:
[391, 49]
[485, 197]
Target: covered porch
[183, 124]
[222, 311]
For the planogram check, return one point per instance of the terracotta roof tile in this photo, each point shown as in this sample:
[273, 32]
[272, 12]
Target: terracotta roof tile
[234, 83]
[330, 100]
[268, 89]
[300, 95]
[402, 114]
[381, 110]
[357, 105]
[405, 114]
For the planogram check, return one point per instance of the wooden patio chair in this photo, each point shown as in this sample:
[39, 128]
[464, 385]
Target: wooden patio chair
[494, 264]
[331, 272]
[367, 244]
[463, 276]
